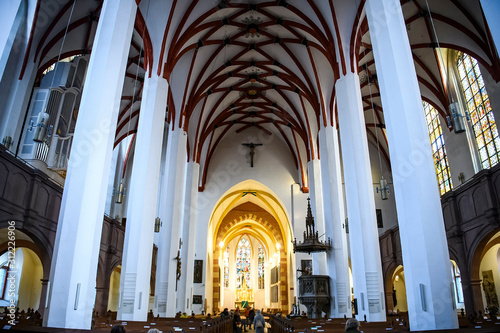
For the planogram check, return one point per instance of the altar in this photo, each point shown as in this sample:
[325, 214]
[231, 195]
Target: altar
[243, 304]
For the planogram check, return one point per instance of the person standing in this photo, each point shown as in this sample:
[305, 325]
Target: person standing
[251, 316]
[259, 323]
[246, 322]
[237, 321]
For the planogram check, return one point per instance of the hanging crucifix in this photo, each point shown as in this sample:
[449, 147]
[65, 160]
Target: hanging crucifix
[252, 146]
[178, 272]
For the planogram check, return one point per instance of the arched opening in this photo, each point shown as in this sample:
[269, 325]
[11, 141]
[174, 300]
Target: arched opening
[21, 274]
[114, 288]
[399, 290]
[489, 273]
[457, 286]
[21, 270]
[251, 247]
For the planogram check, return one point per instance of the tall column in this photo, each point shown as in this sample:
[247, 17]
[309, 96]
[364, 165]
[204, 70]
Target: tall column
[185, 284]
[74, 263]
[141, 207]
[363, 234]
[171, 215]
[316, 192]
[491, 10]
[11, 16]
[429, 285]
[337, 260]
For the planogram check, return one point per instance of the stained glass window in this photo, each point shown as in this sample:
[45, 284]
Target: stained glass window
[438, 149]
[261, 261]
[479, 108]
[243, 254]
[226, 268]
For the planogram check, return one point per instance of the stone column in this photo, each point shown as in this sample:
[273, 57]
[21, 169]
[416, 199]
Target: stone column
[491, 10]
[317, 200]
[363, 233]
[189, 237]
[141, 208]
[76, 251]
[171, 209]
[337, 259]
[43, 296]
[427, 271]
[11, 16]
[477, 295]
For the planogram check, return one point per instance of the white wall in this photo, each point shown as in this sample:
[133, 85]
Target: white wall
[30, 285]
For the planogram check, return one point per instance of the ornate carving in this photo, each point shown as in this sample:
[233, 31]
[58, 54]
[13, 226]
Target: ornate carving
[314, 293]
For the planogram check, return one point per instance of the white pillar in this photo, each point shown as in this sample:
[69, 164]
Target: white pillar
[74, 263]
[427, 271]
[316, 194]
[171, 215]
[185, 285]
[11, 16]
[491, 10]
[363, 233]
[141, 207]
[337, 260]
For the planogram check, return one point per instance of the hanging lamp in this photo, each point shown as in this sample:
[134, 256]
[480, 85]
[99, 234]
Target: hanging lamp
[42, 128]
[456, 118]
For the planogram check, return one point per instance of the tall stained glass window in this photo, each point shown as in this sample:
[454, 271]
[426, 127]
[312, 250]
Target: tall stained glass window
[261, 261]
[226, 268]
[243, 254]
[479, 108]
[438, 149]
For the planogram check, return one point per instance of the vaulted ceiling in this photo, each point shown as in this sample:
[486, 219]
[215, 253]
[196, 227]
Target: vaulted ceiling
[269, 65]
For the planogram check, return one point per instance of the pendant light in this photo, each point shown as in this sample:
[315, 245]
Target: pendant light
[42, 128]
[120, 193]
[384, 187]
[456, 117]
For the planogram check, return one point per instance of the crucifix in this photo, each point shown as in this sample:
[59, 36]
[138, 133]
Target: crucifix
[252, 146]
[178, 275]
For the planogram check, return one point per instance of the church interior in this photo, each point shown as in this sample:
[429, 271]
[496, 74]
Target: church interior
[320, 158]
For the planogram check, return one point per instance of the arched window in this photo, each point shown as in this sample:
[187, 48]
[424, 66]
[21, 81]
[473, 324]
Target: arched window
[438, 149]
[457, 282]
[243, 255]
[4, 270]
[261, 261]
[226, 268]
[479, 108]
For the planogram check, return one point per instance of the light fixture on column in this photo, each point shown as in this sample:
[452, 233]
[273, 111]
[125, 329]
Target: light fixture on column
[157, 224]
[221, 244]
[120, 193]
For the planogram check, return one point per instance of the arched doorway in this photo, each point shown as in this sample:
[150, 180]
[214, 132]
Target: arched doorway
[21, 274]
[114, 288]
[399, 290]
[485, 273]
[489, 273]
[29, 275]
[250, 243]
